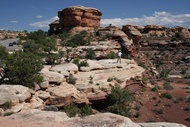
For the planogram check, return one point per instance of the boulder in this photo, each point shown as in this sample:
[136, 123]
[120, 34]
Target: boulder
[133, 32]
[14, 93]
[52, 76]
[60, 119]
[43, 94]
[65, 68]
[39, 118]
[65, 94]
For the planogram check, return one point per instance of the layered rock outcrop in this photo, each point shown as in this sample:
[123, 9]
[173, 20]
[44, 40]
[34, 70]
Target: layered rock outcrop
[76, 16]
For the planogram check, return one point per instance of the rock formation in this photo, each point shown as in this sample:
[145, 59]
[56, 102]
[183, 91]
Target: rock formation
[76, 16]
[38, 118]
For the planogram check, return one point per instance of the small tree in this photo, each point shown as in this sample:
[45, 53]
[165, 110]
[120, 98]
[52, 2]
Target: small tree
[22, 68]
[122, 99]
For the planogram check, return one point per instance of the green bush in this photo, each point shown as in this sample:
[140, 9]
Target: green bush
[76, 61]
[79, 39]
[72, 110]
[110, 79]
[86, 110]
[167, 86]
[153, 82]
[23, 68]
[122, 99]
[83, 64]
[166, 95]
[71, 79]
[155, 89]
[90, 54]
[111, 55]
[164, 74]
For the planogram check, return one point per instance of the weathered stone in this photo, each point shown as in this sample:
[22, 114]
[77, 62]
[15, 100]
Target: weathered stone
[65, 69]
[51, 76]
[13, 93]
[94, 83]
[161, 124]
[43, 94]
[65, 94]
[75, 16]
[132, 32]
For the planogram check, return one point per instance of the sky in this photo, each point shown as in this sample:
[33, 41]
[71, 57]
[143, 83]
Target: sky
[32, 15]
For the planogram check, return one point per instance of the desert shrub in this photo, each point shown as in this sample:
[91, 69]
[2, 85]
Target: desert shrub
[83, 64]
[71, 79]
[153, 82]
[50, 108]
[90, 54]
[110, 79]
[166, 95]
[142, 65]
[86, 110]
[111, 55]
[118, 80]
[177, 100]
[155, 88]
[137, 107]
[76, 61]
[122, 99]
[167, 86]
[164, 74]
[76, 40]
[72, 110]
[187, 119]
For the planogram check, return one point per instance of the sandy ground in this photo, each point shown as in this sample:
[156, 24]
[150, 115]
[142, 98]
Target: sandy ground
[171, 111]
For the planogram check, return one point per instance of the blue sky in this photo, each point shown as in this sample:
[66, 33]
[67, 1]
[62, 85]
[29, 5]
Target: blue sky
[32, 15]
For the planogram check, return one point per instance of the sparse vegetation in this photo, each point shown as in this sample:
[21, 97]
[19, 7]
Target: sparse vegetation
[90, 54]
[122, 99]
[166, 95]
[167, 86]
[111, 55]
[71, 79]
[73, 110]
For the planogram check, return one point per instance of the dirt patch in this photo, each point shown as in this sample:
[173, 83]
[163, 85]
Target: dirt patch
[153, 108]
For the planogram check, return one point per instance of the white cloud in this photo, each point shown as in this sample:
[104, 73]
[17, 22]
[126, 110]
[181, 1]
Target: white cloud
[161, 18]
[13, 21]
[39, 17]
[44, 23]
